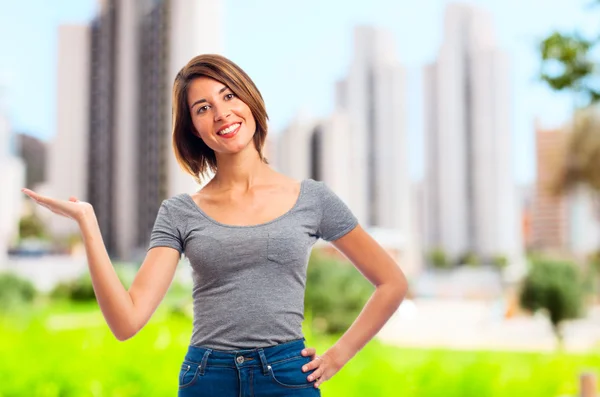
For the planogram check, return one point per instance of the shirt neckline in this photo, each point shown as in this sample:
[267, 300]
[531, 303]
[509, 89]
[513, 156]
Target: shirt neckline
[285, 214]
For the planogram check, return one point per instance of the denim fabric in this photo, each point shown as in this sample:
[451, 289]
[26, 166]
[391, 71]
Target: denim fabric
[263, 372]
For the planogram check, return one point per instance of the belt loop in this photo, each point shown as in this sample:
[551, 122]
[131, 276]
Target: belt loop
[204, 360]
[263, 361]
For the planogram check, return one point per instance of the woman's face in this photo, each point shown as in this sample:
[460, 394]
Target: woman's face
[222, 120]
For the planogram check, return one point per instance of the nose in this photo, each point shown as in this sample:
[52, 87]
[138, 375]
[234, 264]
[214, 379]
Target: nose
[221, 112]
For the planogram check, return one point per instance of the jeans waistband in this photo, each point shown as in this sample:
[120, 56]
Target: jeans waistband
[262, 356]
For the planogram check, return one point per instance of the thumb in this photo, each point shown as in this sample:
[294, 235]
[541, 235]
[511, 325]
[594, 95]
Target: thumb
[73, 199]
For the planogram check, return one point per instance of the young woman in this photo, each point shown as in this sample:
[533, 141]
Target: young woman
[248, 235]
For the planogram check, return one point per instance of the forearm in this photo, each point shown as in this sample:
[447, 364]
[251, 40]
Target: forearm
[114, 300]
[379, 308]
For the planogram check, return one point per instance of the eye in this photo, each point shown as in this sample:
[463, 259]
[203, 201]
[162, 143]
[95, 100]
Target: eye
[202, 109]
[229, 96]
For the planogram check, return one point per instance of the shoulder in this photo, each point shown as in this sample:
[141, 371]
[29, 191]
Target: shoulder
[177, 207]
[317, 189]
[176, 201]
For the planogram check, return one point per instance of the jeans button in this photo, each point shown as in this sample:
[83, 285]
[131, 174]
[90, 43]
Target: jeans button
[240, 359]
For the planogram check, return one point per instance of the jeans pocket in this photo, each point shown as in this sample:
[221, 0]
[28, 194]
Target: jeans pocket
[188, 374]
[289, 373]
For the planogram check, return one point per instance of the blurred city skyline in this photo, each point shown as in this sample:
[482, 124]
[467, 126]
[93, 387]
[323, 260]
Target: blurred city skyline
[309, 53]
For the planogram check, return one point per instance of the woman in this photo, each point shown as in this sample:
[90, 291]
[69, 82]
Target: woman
[248, 235]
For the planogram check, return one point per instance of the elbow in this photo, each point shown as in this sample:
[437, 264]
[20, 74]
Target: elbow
[123, 336]
[124, 333]
[398, 289]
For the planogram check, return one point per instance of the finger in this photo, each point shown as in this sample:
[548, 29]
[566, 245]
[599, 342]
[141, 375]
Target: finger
[320, 381]
[38, 198]
[53, 205]
[316, 374]
[309, 351]
[312, 365]
[73, 199]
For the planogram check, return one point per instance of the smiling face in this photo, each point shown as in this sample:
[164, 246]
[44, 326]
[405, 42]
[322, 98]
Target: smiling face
[220, 118]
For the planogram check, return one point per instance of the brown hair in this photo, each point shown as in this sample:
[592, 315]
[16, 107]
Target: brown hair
[193, 155]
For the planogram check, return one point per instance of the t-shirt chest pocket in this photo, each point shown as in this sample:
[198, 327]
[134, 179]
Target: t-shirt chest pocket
[287, 250]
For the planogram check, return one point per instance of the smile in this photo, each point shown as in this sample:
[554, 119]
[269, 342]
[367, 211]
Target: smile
[229, 131]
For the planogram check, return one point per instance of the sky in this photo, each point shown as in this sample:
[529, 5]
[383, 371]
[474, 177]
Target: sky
[296, 51]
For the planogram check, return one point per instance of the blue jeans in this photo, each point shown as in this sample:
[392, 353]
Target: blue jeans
[263, 372]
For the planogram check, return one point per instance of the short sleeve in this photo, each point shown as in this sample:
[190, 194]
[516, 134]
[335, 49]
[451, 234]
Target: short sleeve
[336, 218]
[164, 232]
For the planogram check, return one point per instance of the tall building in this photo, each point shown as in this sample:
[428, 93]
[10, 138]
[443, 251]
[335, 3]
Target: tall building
[549, 220]
[33, 152]
[372, 97]
[318, 149]
[67, 160]
[359, 150]
[563, 222]
[135, 50]
[12, 179]
[470, 192]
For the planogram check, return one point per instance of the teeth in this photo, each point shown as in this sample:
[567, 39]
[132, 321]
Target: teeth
[228, 129]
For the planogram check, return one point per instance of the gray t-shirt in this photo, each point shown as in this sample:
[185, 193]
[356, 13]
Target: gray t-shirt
[249, 281]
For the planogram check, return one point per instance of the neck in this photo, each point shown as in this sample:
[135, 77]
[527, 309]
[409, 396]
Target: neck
[240, 171]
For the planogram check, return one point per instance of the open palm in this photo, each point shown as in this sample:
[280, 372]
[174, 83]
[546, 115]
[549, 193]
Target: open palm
[72, 208]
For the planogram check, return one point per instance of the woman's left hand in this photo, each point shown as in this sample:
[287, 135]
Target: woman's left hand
[325, 367]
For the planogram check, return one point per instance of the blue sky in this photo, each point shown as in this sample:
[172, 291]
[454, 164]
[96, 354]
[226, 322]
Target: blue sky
[295, 51]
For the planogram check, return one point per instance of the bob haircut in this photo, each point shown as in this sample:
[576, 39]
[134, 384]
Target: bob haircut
[192, 154]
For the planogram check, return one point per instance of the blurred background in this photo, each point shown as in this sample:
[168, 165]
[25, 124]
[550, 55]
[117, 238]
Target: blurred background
[464, 136]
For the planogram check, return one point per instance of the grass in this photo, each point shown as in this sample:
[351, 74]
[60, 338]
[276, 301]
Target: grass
[67, 350]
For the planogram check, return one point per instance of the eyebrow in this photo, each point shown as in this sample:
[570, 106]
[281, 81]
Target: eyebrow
[199, 101]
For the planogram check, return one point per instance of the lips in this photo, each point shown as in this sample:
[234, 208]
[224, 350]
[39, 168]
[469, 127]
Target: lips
[229, 131]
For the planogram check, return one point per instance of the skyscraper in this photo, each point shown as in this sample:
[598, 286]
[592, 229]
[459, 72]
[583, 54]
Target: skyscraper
[135, 50]
[372, 97]
[67, 168]
[549, 210]
[470, 193]
[12, 179]
[360, 150]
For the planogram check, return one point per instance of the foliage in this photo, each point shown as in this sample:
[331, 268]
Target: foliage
[581, 165]
[555, 287]
[500, 261]
[335, 293]
[15, 291]
[568, 64]
[469, 258]
[81, 289]
[438, 259]
[31, 226]
[67, 342]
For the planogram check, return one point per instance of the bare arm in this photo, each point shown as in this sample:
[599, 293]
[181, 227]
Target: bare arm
[390, 288]
[126, 312]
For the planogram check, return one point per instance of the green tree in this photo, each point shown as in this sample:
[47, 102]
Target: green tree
[15, 291]
[438, 259]
[469, 258]
[500, 261]
[335, 293]
[556, 288]
[31, 226]
[569, 64]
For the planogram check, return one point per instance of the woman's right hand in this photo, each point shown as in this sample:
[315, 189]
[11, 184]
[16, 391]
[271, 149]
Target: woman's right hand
[73, 208]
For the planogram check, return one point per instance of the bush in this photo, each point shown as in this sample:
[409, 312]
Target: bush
[15, 291]
[500, 261]
[469, 259]
[81, 289]
[31, 226]
[335, 293]
[557, 288]
[438, 259]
